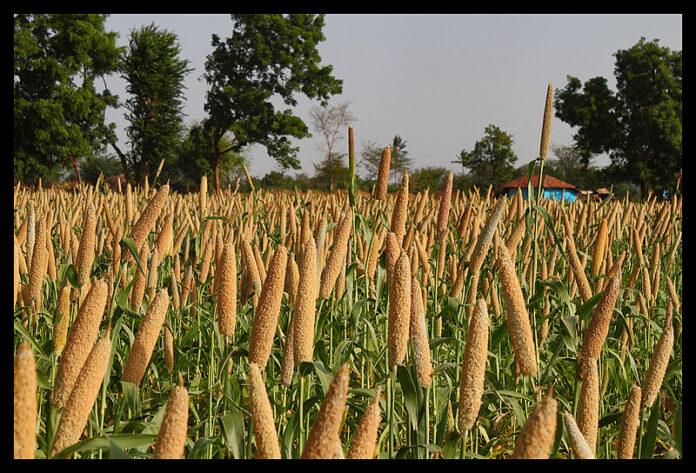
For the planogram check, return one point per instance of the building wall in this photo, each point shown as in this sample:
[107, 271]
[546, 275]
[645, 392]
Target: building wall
[549, 193]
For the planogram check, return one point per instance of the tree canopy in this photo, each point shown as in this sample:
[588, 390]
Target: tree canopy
[640, 124]
[58, 112]
[491, 162]
[155, 74]
[267, 56]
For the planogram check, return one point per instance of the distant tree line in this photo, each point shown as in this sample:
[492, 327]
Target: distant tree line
[62, 64]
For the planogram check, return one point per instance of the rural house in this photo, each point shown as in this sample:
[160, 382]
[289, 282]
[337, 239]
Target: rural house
[553, 188]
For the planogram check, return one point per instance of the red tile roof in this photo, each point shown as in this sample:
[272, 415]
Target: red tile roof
[549, 182]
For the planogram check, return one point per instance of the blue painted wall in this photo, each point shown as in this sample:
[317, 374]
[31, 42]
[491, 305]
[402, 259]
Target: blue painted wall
[549, 193]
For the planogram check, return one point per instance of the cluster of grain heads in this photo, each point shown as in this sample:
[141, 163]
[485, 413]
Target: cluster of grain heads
[17, 280]
[305, 305]
[171, 437]
[399, 310]
[226, 278]
[658, 362]
[145, 338]
[268, 310]
[262, 416]
[381, 186]
[629, 424]
[598, 328]
[365, 439]
[337, 256]
[324, 434]
[83, 395]
[536, 438]
[518, 322]
[25, 402]
[80, 341]
[588, 406]
[578, 444]
[473, 367]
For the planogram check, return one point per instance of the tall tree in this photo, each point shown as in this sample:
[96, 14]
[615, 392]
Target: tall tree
[639, 125]
[155, 74]
[58, 112]
[491, 162]
[332, 169]
[331, 122]
[266, 56]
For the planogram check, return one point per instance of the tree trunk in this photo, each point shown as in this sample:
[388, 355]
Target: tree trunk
[124, 163]
[73, 161]
[216, 166]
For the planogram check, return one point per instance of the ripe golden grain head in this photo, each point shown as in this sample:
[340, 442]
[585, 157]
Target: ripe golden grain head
[80, 342]
[399, 282]
[599, 248]
[324, 434]
[38, 265]
[400, 211]
[536, 439]
[473, 367]
[419, 336]
[382, 184]
[165, 239]
[305, 304]
[171, 437]
[337, 256]
[168, 348]
[138, 290]
[578, 444]
[546, 124]
[25, 402]
[268, 310]
[85, 252]
[629, 424]
[148, 218]
[588, 406]
[226, 276]
[658, 362]
[83, 395]
[145, 338]
[265, 432]
[61, 320]
[578, 270]
[286, 370]
[250, 265]
[292, 278]
[485, 238]
[445, 205]
[365, 438]
[598, 328]
[517, 316]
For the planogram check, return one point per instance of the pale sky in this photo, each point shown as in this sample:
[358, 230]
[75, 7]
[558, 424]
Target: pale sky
[436, 80]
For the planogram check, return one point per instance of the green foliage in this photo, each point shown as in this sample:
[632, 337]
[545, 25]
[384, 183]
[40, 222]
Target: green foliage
[491, 162]
[330, 171]
[105, 164]
[428, 177]
[58, 113]
[267, 56]
[371, 155]
[639, 125]
[155, 76]
[195, 156]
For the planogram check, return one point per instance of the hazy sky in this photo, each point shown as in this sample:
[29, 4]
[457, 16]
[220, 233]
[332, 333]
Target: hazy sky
[436, 80]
